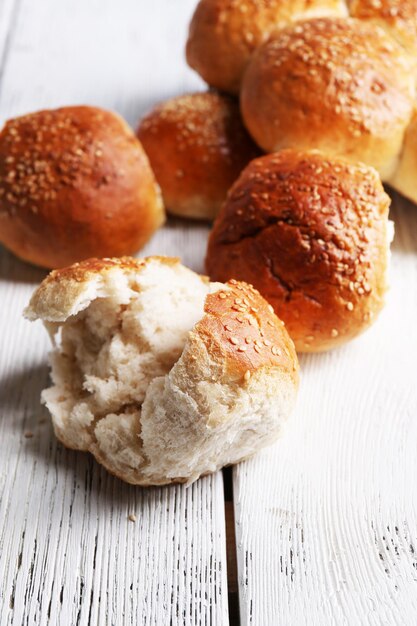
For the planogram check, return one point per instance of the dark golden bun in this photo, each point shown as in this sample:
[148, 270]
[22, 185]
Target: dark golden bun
[197, 146]
[224, 33]
[397, 17]
[74, 183]
[339, 85]
[310, 232]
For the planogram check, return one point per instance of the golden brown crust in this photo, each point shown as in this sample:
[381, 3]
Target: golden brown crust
[241, 330]
[224, 33]
[310, 233]
[343, 86]
[197, 146]
[74, 183]
[397, 17]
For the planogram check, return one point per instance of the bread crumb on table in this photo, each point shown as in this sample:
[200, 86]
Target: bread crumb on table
[131, 517]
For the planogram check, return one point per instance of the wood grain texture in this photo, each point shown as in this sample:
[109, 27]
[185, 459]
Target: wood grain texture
[327, 518]
[69, 554]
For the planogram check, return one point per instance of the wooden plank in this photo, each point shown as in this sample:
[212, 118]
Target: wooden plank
[123, 56]
[68, 552]
[326, 519]
[8, 15]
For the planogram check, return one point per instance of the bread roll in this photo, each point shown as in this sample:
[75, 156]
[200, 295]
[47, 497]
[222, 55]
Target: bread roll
[342, 86]
[311, 233]
[74, 182]
[197, 146]
[404, 179]
[162, 375]
[224, 33]
[397, 17]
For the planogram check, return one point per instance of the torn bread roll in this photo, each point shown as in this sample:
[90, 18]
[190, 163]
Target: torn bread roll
[75, 182]
[159, 373]
[197, 146]
[224, 34]
[311, 233]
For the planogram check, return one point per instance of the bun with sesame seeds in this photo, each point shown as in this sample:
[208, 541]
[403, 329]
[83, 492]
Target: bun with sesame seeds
[224, 33]
[311, 233]
[197, 146]
[339, 85]
[160, 374]
[74, 183]
[397, 17]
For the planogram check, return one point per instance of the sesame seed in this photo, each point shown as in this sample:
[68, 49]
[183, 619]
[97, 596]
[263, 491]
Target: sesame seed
[275, 351]
[233, 340]
[242, 348]
[334, 332]
[247, 375]
[349, 306]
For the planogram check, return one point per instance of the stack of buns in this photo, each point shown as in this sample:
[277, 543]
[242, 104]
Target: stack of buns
[328, 75]
[161, 374]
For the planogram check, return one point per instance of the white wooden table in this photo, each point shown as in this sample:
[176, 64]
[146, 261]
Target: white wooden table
[326, 520]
